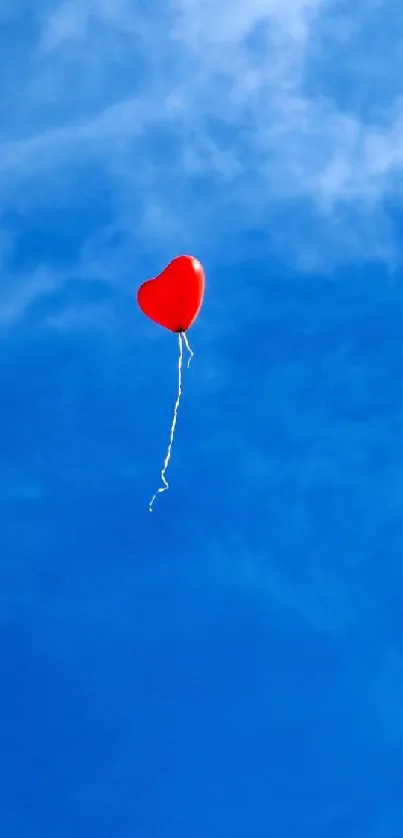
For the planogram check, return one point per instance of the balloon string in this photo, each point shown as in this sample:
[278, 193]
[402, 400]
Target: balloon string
[187, 344]
[164, 481]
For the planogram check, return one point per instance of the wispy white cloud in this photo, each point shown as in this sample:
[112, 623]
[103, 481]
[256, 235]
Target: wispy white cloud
[204, 122]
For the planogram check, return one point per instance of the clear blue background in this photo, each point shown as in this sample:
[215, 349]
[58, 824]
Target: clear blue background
[231, 665]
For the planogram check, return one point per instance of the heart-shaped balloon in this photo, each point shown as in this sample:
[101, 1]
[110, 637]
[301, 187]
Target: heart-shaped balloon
[174, 298]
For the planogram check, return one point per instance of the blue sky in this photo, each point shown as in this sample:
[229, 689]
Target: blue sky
[231, 665]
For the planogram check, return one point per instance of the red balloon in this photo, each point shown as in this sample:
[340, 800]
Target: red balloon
[174, 298]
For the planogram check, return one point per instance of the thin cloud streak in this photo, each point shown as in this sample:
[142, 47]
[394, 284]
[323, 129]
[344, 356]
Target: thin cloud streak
[226, 95]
